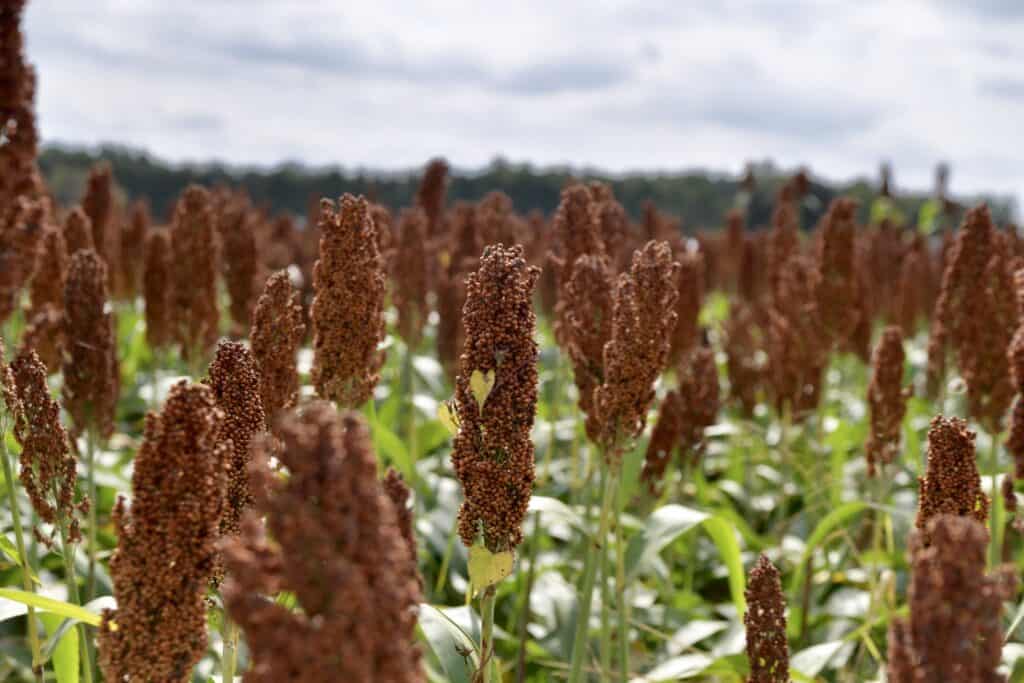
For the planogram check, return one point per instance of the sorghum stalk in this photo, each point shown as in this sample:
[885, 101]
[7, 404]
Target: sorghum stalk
[30, 627]
[487, 634]
[996, 525]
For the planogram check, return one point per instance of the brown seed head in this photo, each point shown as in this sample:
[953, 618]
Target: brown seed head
[699, 391]
[430, 195]
[348, 310]
[887, 399]
[21, 227]
[643, 319]
[576, 230]
[358, 593]
[900, 666]
[77, 231]
[44, 333]
[742, 346]
[133, 249]
[665, 438]
[587, 309]
[235, 382]
[836, 287]
[18, 173]
[166, 548]
[493, 453]
[951, 485]
[195, 259]
[98, 205]
[410, 275]
[242, 261]
[765, 620]
[90, 369]
[51, 268]
[156, 289]
[399, 493]
[977, 310]
[47, 466]
[277, 333]
[690, 286]
[955, 609]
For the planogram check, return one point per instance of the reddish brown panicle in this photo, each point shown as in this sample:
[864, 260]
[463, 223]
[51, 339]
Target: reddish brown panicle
[156, 290]
[887, 400]
[337, 545]
[410, 275]
[235, 382]
[348, 309]
[277, 333]
[91, 381]
[955, 608]
[493, 453]
[47, 466]
[690, 286]
[195, 264]
[643, 319]
[587, 309]
[166, 549]
[951, 485]
[765, 620]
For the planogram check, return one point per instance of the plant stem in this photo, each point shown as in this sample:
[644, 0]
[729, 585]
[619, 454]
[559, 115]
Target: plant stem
[71, 579]
[524, 610]
[605, 650]
[487, 634]
[26, 578]
[90, 459]
[996, 526]
[229, 654]
[442, 573]
[586, 595]
[621, 606]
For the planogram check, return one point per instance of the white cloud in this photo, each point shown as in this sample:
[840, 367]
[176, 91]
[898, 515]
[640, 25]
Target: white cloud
[621, 85]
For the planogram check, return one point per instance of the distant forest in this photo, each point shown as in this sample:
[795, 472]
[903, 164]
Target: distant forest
[700, 198]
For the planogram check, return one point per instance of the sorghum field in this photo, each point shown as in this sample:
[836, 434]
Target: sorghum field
[472, 443]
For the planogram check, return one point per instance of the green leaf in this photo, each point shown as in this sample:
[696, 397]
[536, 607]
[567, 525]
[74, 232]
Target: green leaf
[723, 533]
[663, 527]
[555, 510]
[454, 649]
[45, 604]
[65, 650]
[813, 660]
[392, 448]
[677, 669]
[826, 526]
[11, 552]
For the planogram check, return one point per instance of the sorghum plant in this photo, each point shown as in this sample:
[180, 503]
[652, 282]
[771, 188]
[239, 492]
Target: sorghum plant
[167, 551]
[338, 545]
[277, 333]
[348, 310]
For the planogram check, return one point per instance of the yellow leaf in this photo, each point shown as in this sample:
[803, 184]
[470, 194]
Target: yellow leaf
[481, 383]
[447, 417]
[487, 568]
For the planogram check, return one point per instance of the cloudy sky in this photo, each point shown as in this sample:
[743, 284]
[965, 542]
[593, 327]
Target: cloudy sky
[650, 84]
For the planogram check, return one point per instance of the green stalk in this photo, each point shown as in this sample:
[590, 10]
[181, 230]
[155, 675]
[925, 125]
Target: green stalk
[71, 579]
[620, 603]
[487, 634]
[229, 653]
[606, 620]
[524, 610]
[442, 573]
[90, 459]
[586, 594]
[997, 527]
[26, 578]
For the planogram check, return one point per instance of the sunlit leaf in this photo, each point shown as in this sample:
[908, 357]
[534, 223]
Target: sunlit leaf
[486, 568]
